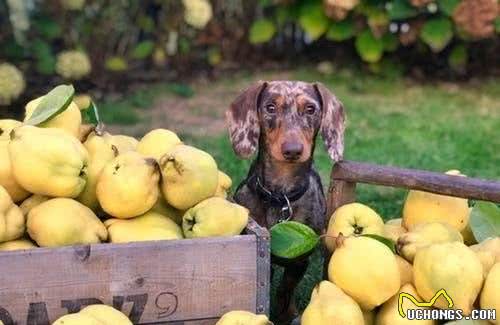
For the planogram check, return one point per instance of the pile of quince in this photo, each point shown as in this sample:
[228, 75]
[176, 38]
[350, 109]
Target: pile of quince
[65, 183]
[433, 249]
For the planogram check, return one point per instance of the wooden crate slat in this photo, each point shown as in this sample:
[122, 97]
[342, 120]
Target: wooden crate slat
[466, 187]
[167, 281]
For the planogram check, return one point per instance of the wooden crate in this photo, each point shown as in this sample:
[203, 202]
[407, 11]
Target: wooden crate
[190, 281]
[346, 174]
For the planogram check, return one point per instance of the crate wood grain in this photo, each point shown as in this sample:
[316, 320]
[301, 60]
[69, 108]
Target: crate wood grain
[190, 281]
[346, 174]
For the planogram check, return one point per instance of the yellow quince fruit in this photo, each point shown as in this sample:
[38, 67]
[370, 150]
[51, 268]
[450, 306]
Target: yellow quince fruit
[490, 298]
[162, 207]
[450, 266]
[32, 202]
[488, 252]
[389, 312]
[157, 143]
[405, 270]
[214, 217]
[366, 270]
[128, 185]
[424, 235]
[423, 207]
[393, 229]
[223, 185]
[48, 161]
[106, 315]
[353, 219]
[68, 120]
[124, 143]
[77, 319]
[242, 317]
[330, 305]
[189, 176]
[149, 226]
[12, 221]
[101, 151]
[7, 179]
[63, 222]
[17, 244]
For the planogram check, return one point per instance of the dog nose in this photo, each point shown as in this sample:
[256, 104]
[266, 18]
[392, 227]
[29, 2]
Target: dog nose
[292, 150]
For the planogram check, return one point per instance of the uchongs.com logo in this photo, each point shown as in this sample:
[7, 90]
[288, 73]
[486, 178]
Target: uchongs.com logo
[425, 311]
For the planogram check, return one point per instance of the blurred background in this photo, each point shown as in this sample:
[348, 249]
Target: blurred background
[420, 79]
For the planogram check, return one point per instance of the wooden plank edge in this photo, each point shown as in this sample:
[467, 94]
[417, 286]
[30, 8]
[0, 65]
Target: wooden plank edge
[439, 183]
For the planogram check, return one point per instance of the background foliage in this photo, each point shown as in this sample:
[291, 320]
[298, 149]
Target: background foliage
[105, 44]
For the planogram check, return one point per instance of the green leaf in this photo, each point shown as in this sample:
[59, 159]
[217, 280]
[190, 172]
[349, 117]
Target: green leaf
[437, 33]
[386, 241]
[497, 25]
[261, 31]
[90, 115]
[143, 50]
[458, 57]
[45, 61]
[292, 239]
[53, 103]
[47, 27]
[369, 47]
[390, 41]
[313, 20]
[116, 64]
[341, 31]
[448, 6]
[401, 9]
[485, 220]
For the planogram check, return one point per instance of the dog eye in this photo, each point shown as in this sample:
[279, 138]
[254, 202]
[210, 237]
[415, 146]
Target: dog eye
[271, 108]
[310, 109]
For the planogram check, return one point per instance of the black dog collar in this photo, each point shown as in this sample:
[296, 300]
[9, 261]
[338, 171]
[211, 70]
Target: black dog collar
[277, 199]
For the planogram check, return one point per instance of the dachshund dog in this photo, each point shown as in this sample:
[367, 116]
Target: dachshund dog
[282, 120]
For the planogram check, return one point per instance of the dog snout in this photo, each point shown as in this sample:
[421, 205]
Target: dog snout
[292, 150]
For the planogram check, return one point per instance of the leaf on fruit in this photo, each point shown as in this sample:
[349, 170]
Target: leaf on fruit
[437, 33]
[448, 6]
[341, 31]
[386, 241]
[261, 31]
[313, 20]
[292, 239]
[90, 115]
[369, 47]
[485, 220]
[55, 102]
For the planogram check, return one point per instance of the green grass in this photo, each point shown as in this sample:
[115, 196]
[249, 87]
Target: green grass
[127, 110]
[396, 122]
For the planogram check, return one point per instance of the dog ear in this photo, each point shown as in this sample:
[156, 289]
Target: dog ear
[243, 121]
[332, 122]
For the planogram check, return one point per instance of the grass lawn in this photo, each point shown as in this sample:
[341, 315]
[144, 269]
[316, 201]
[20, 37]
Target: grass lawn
[437, 127]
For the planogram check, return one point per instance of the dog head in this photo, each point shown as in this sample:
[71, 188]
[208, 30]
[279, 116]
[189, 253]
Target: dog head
[285, 116]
